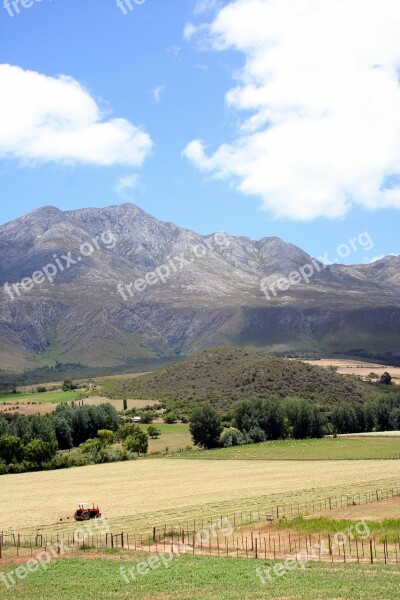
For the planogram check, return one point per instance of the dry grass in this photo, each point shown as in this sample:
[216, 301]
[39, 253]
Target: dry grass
[357, 367]
[28, 409]
[139, 494]
[58, 384]
[372, 434]
[376, 511]
[118, 404]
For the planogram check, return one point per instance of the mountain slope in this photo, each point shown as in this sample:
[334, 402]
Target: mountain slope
[222, 375]
[98, 309]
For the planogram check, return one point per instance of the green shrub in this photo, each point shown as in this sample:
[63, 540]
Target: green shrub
[139, 442]
[15, 468]
[232, 437]
[170, 418]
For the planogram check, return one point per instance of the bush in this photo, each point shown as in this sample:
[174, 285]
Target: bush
[91, 446]
[126, 430]
[41, 389]
[16, 468]
[3, 468]
[139, 442]
[257, 435]
[146, 416]
[153, 432]
[68, 385]
[232, 437]
[170, 418]
[106, 436]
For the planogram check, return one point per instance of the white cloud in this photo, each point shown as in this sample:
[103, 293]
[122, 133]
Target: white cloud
[320, 88]
[156, 93]
[175, 50]
[203, 6]
[126, 183]
[201, 67]
[55, 119]
[189, 31]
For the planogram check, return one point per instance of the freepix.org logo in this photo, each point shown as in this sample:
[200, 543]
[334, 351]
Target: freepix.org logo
[60, 263]
[129, 5]
[13, 7]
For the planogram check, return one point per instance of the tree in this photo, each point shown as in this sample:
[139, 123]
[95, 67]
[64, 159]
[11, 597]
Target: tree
[3, 426]
[38, 452]
[139, 442]
[304, 419]
[153, 432]
[386, 378]
[11, 449]
[63, 432]
[126, 430]
[205, 426]
[68, 385]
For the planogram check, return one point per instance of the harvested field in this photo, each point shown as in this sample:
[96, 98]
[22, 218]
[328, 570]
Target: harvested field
[376, 511]
[118, 404]
[137, 495]
[28, 409]
[356, 367]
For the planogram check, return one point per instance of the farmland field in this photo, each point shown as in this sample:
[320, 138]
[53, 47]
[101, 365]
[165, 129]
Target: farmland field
[136, 495]
[340, 448]
[55, 397]
[118, 404]
[205, 578]
[356, 367]
[173, 437]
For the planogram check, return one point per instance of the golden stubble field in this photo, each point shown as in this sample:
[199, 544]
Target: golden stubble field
[357, 367]
[136, 495]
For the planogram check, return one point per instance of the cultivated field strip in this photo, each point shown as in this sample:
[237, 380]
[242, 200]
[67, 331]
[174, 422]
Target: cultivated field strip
[139, 495]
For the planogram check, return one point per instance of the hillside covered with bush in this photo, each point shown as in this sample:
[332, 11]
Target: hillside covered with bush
[225, 374]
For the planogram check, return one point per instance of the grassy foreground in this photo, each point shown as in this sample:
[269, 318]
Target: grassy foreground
[188, 578]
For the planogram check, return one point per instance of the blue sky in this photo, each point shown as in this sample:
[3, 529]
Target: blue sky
[190, 77]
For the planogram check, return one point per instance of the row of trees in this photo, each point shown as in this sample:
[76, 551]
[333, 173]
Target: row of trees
[258, 419]
[33, 443]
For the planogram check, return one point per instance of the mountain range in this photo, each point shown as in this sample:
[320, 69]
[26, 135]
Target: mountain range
[111, 286]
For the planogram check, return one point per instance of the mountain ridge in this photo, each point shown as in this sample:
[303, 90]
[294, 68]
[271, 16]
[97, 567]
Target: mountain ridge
[208, 292]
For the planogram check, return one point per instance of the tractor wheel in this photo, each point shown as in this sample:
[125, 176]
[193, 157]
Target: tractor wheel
[85, 515]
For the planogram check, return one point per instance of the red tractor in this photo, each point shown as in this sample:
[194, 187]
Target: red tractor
[84, 512]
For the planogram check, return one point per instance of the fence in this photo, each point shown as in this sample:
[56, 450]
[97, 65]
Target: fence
[256, 546]
[299, 547]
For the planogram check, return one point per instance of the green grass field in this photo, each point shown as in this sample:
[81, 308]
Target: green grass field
[44, 398]
[173, 438]
[208, 578]
[340, 448]
[324, 526]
